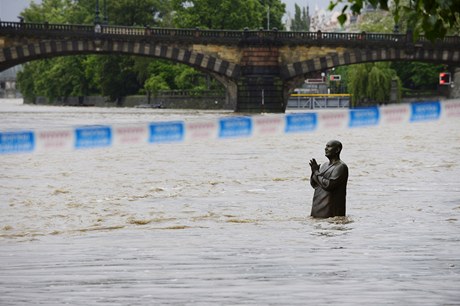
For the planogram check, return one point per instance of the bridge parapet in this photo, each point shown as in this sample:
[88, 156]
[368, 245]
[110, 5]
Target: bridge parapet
[249, 37]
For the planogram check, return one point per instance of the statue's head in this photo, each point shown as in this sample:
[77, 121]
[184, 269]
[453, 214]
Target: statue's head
[333, 148]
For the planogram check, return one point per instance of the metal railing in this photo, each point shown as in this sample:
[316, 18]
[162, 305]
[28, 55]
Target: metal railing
[313, 101]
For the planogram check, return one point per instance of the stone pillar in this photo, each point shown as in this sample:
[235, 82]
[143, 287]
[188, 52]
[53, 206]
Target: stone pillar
[394, 91]
[230, 89]
[260, 87]
[260, 93]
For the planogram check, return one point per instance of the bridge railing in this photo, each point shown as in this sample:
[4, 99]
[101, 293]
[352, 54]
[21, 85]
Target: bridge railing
[122, 31]
[26, 26]
[219, 36]
[172, 32]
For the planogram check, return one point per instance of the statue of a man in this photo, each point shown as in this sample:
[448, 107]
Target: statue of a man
[330, 183]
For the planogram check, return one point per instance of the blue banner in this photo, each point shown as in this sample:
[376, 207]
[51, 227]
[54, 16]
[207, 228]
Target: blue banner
[235, 127]
[93, 137]
[166, 132]
[17, 142]
[360, 117]
[304, 122]
[425, 111]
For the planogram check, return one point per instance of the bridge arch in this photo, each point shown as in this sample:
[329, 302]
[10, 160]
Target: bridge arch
[294, 71]
[223, 71]
[52, 48]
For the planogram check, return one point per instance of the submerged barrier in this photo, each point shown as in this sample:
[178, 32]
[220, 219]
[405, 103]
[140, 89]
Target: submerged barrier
[102, 136]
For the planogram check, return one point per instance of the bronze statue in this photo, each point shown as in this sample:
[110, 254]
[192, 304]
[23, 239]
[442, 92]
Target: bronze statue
[330, 183]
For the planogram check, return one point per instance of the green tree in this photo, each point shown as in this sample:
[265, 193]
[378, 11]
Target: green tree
[378, 21]
[276, 9]
[418, 75]
[190, 78]
[226, 14]
[60, 11]
[357, 82]
[53, 78]
[63, 76]
[27, 78]
[370, 83]
[154, 84]
[117, 77]
[139, 12]
[301, 21]
[433, 18]
[167, 70]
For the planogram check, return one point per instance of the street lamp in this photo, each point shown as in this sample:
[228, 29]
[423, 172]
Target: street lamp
[106, 18]
[96, 18]
[268, 17]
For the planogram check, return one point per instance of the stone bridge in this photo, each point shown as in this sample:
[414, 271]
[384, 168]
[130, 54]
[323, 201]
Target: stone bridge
[258, 68]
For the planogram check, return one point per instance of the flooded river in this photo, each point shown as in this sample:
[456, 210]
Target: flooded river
[227, 222]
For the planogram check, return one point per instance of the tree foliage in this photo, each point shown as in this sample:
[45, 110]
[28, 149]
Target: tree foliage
[60, 11]
[277, 9]
[301, 21]
[378, 21]
[418, 75]
[144, 12]
[51, 78]
[116, 76]
[154, 84]
[370, 83]
[433, 18]
[227, 14]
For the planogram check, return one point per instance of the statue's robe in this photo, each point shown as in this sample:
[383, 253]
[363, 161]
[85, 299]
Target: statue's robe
[329, 199]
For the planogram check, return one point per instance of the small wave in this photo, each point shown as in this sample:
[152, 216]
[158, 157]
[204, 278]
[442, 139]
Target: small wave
[340, 220]
[241, 221]
[157, 189]
[176, 227]
[256, 190]
[208, 216]
[60, 191]
[140, 221]
[21, 235]
[100, 228]
[213, 183]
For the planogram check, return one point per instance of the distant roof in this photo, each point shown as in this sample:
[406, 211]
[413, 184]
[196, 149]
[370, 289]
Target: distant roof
[10, 73]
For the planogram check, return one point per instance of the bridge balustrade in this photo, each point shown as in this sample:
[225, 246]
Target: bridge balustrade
[225, 36]
[298, 35]
[114, 30]
[26, 26]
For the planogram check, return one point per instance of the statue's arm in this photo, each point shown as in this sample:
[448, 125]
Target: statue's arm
[314, 179]
[314, 172]
[337, 178]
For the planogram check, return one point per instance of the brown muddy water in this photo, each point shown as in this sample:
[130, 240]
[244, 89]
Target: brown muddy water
[227, 222]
